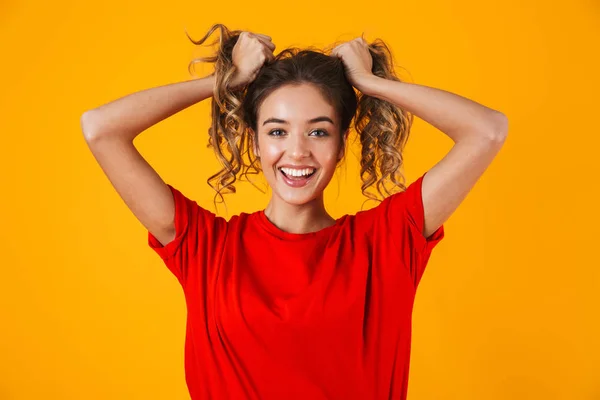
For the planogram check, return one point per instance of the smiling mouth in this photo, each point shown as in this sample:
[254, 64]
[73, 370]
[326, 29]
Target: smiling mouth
[297, 178]
[298, 174]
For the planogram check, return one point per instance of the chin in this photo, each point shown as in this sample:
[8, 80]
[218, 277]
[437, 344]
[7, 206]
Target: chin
[298, 198]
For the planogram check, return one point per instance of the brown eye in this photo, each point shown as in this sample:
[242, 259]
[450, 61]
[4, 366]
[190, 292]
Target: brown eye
[276, 132]
[320, 132]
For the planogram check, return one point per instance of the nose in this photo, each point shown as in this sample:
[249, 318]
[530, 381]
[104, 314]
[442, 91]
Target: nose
[299, 147]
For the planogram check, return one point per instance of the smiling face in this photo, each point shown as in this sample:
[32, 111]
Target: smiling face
[299, 142]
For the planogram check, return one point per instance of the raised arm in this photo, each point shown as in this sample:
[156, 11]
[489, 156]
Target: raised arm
[478, 132]
[109, 131]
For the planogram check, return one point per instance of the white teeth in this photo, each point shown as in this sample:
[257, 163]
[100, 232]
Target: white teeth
[298, 172]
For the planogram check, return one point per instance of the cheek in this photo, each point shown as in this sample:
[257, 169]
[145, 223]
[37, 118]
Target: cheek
[327, 154]
[270, 152]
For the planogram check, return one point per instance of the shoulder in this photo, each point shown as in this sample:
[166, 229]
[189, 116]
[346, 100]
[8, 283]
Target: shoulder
[243, 221]
[383, 206]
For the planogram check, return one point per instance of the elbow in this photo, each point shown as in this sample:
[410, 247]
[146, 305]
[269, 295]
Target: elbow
[499, 127]
[95, 125]
[88, 126]
[491, 130]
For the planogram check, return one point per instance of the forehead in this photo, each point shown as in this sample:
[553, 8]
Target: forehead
[296, 104]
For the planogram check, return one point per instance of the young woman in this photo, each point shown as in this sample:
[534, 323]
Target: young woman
[288, 302]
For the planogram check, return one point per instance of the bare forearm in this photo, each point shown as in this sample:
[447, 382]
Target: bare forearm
[130, 115]
[456, 116]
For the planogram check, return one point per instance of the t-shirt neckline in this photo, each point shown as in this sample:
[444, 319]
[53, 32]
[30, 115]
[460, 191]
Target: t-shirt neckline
[275, 230]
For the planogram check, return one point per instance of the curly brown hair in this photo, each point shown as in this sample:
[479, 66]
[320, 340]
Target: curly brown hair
[382, 127]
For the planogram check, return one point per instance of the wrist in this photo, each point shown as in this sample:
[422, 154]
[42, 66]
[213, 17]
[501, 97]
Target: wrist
[368, 84]
[236, 83]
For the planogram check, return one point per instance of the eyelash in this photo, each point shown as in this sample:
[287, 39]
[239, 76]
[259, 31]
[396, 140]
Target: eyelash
[316, 130]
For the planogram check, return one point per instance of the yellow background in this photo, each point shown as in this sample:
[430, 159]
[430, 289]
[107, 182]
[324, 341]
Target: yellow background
[509, 305]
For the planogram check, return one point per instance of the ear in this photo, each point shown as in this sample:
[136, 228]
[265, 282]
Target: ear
[343, 146]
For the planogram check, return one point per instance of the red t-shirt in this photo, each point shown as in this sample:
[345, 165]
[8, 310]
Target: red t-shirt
[274, 315]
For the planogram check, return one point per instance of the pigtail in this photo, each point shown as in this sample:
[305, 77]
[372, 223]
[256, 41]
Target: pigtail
[383, 129]
[227, 133]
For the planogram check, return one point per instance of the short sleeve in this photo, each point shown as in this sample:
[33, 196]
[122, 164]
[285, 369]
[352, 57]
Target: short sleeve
[403, 218]
[197, 232]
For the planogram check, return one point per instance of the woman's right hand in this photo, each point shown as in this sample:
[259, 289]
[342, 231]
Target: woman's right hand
[249, 54]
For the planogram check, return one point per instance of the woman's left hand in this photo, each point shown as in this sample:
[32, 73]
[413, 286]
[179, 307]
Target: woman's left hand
[357, 60]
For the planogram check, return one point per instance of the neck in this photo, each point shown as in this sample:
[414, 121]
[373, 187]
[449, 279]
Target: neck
[303, 218]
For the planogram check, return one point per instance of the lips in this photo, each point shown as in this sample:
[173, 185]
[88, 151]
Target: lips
[296, 181]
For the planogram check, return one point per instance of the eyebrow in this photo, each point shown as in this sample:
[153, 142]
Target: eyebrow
[281, 121]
